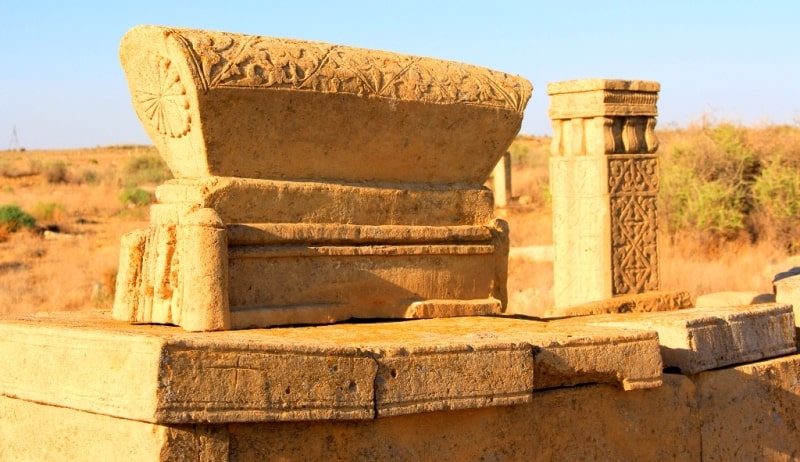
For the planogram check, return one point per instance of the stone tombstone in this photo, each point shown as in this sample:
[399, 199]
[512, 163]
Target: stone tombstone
[314, 183]
[604, 181]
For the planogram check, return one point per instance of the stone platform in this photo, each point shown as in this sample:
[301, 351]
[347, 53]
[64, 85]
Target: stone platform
[81, 386]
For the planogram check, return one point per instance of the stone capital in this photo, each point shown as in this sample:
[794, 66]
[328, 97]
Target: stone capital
[602, 97]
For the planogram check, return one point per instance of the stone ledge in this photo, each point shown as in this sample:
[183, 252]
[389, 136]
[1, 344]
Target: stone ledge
[160, 374]
[700, 339]
[694, 418]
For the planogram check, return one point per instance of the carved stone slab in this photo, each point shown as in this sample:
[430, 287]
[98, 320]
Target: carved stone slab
[165, 375]
[315, 183]
[226, 104]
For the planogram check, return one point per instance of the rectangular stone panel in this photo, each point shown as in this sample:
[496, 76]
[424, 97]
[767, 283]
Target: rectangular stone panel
[317, 285]
[699, 339]
[162, 374]
[241, 200]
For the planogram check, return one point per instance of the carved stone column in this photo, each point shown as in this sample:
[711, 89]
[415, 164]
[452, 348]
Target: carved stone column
[604, 181]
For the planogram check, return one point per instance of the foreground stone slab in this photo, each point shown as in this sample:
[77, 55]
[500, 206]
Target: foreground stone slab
[162, 374]
[315, 183]
[759, 400]
[634, 303]
[596, 422]
[699, 339]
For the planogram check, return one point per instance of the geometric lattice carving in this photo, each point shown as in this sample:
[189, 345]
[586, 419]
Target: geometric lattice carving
[634, 253]
[633, 184]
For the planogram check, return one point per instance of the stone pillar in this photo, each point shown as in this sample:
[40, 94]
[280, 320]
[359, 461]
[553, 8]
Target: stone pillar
[604, 181]
[502, 181]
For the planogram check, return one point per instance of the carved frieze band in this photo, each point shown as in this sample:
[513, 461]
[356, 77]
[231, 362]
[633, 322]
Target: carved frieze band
[233, 60]
[620, 135]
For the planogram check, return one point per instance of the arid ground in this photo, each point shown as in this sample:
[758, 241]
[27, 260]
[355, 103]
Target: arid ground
[84, 200]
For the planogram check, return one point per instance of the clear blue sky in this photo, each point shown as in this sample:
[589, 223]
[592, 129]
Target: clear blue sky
[61, 84]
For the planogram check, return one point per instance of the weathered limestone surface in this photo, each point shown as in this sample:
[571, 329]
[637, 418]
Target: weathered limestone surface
[604, 181]
[633, 303]
[748, 412]
[314, 183]
[162, 374]
[751, 412]
[596, 422]
[699, 339]
[587, 423]
[231, 105]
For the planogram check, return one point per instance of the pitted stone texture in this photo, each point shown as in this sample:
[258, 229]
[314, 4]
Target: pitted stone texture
[358, 371]
[699, 339]
[634, 303]
[279, 214]
[751, 412]
[595, 422]
[332, 109]
[164, 375]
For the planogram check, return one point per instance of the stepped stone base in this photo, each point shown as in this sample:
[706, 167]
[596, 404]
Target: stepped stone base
[81, 386]
[749, 412]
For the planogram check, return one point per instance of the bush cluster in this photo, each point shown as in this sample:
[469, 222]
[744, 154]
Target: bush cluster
[145, 169]
[13, 218]
[726, 181]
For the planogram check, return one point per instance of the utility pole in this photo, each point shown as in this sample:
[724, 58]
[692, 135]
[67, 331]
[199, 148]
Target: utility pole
[13, 144]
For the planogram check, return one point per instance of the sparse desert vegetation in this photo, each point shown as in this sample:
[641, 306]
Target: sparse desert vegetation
[61, 216]
[728, 215]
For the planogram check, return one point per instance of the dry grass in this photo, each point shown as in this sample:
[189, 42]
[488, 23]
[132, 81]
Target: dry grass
[75, 271]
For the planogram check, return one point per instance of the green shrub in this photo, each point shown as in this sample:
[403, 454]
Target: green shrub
[12, 218]
[135, 196]
[145, 169]
[777, 194]
[707, 176]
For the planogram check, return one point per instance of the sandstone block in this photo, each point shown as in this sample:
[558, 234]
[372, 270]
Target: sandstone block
[595, 422]
[733, 299]
[280, 213]
[752, 411]
[161, 374]
[699, 339]
[232, 105]
[633, 303]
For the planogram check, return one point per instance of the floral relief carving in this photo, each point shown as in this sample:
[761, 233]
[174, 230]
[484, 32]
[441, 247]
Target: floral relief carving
[233, 60]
